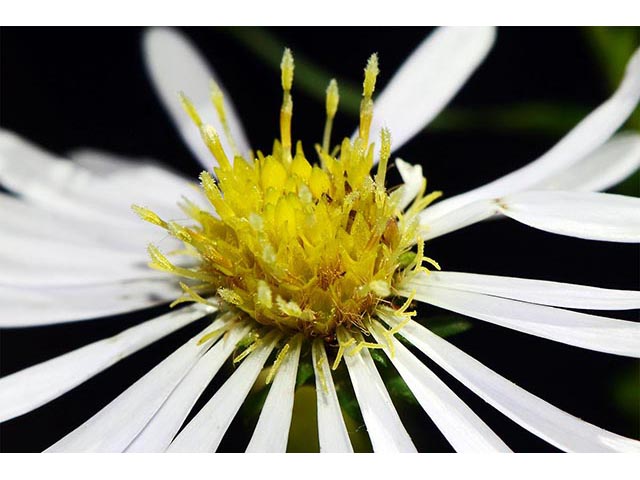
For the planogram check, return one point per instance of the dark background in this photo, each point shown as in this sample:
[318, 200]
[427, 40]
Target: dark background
[66, 88]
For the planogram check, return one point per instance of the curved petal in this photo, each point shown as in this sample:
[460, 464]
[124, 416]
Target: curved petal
[175, 66]
[62, 272]
[428, 80]
[28, 307]
[539, 417]
[593, 216]
[589, 134]
[161, 429]
[149, 182]
[28, 220]
[63, 186]
[114, 427]
[542, 292]
[384, 426]
[272, 431]
[412, 178]
[205, 431]
[433, 226]
[332, 431]
[605, 167]
[464, 430]
[602, 334]
[27, 389]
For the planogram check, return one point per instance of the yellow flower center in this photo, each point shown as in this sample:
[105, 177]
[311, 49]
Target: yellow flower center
[295, 245]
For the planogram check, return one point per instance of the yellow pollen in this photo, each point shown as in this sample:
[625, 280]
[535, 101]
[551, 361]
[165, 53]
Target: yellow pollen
[303, 247]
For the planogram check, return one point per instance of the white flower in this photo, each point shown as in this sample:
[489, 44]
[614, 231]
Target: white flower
[76, 253]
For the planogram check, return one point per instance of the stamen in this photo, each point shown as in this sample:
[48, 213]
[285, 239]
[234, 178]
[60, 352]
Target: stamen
[344, 342]
[190, 295]
[188, 107]
[385, 153]
[333, 98]
[149, 216]
[320, 363]
[286, 111]
[217, 98]
[212, 140]
[366, 105]
[281, 356]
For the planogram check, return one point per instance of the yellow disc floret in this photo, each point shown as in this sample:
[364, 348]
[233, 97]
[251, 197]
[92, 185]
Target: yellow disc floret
[303, 247]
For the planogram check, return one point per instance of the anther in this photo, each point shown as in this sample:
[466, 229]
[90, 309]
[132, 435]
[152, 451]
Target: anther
[333, 98]
[217, 98]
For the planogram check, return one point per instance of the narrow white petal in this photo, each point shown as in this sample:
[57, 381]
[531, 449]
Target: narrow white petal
[428, 79]
[412, 178]
[144, 182]
[27, 307]
[27, 220]
[175, 66]
[332, 431]
[620, 337]
[435, 226]
[588, 135]
[542, 292]
[272, 431]
[27, 389]
[384, 426]
[539, 417]
[114, 427]
[205, 431]
[464, 430]
[56, 272]
[62, 186]
[161, 429]
[605, 167]
[593, 216]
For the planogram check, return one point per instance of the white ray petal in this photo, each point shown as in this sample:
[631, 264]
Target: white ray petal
[620, 337]
[593, 216]
[205, 431]
[428, 79]
[174, 66]
[384, 426]
[542, 292]
[602, 169]
[27, 220]
[539, 417]
[114, 427]
[332, 431]
[435, 226]
[412, 178]
[27, 389]
[47, 251]
[272, 431]
[588, 135]
[28, 307]
[161, 429]
[144, 181]
[464, 430]
[55, 272]
[60, 185]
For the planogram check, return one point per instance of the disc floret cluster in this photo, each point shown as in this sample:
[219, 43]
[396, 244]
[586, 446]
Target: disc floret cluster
[309, 247]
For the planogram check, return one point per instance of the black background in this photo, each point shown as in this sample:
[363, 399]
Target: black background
[71, 87]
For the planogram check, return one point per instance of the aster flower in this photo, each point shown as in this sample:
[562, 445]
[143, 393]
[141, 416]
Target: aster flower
[292, 258]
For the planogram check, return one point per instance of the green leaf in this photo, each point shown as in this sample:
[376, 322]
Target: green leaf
[305, 372]
[399, 389]
[447, 325]
[379, 357]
